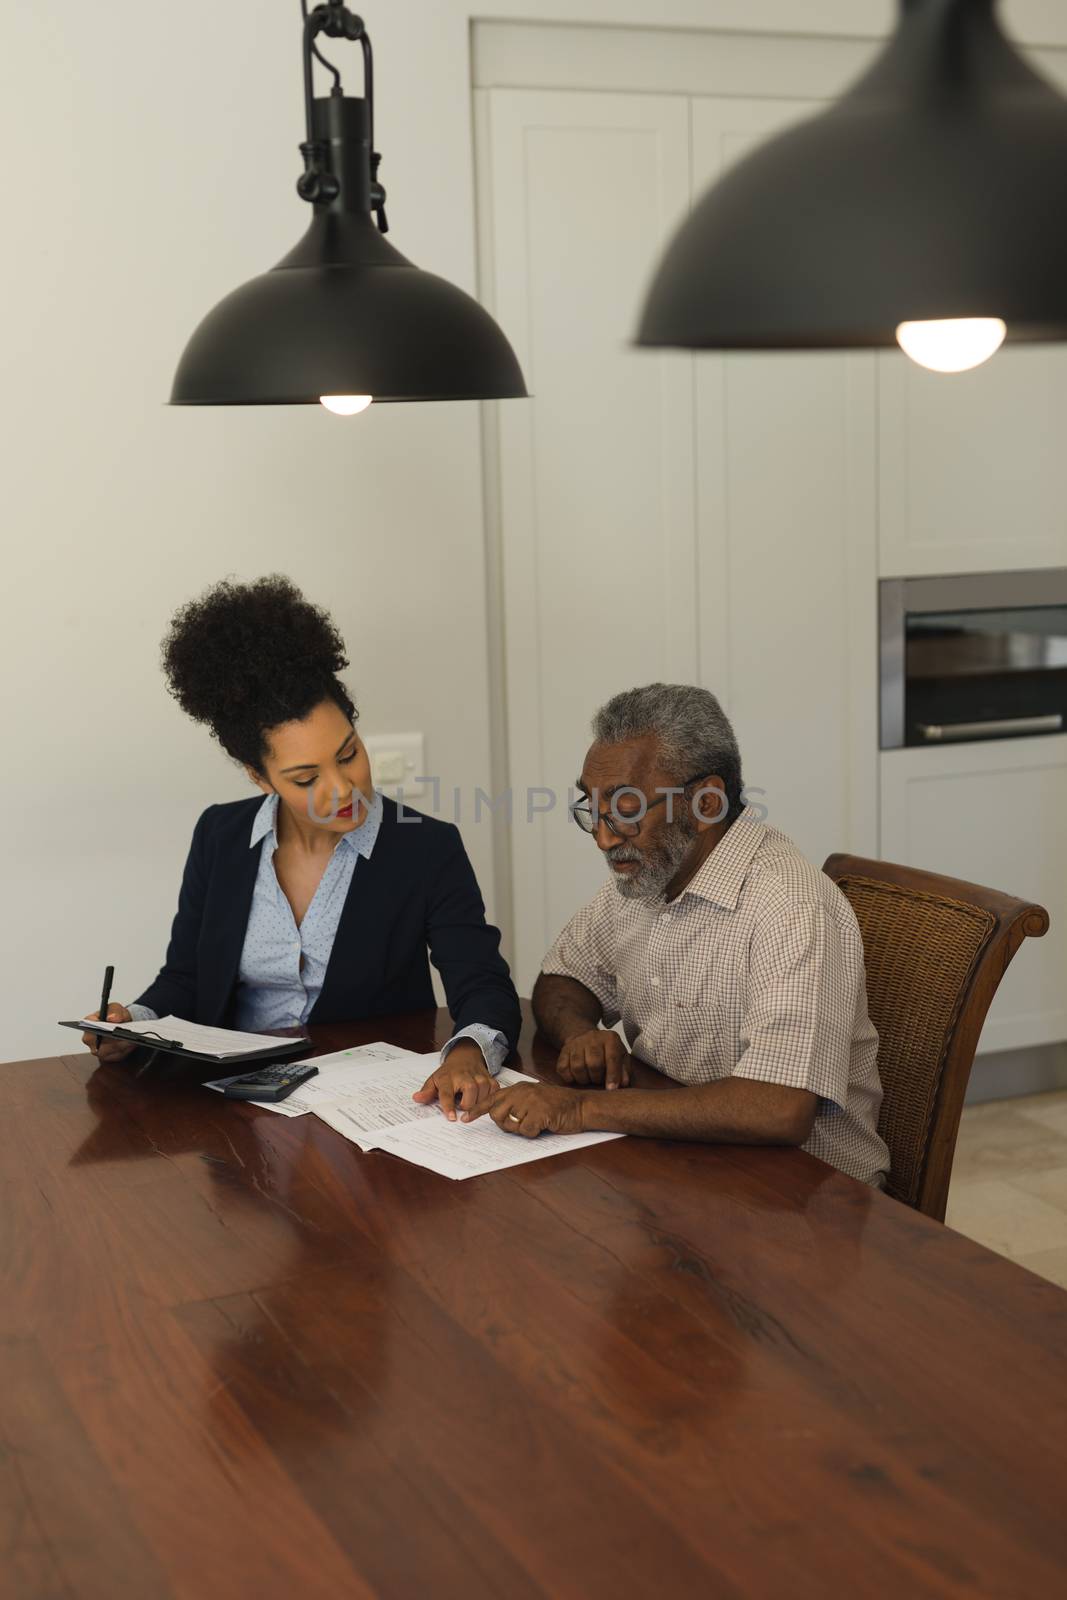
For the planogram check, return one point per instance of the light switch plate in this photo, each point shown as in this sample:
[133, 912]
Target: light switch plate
[396, 761]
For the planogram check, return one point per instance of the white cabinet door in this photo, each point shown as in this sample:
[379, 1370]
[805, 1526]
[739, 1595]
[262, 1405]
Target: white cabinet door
[596, 474]
[972, 468]
[787, 578]
[993, 813]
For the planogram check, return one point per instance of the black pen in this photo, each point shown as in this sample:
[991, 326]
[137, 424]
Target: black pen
[109, 973]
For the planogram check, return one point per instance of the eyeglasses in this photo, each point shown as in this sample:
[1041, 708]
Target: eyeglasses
[621, 826]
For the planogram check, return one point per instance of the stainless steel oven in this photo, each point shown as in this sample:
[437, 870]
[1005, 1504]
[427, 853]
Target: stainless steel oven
[981, 656]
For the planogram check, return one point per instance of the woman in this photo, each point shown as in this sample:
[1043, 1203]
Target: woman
[316, 902]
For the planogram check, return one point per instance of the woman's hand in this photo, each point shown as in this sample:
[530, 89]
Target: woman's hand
[108, 1049]
[596, 1057]
[461, 1082]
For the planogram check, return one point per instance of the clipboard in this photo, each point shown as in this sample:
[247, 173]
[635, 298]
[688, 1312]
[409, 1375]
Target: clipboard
[159, 1045]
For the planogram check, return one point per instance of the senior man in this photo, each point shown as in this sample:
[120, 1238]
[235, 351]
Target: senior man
[734, 963]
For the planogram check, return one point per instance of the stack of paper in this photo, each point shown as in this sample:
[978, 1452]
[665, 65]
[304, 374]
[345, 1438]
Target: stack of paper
[197, 1036]
[365, 1094]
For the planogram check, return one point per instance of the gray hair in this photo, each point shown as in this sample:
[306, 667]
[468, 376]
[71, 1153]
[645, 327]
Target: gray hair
[694, 732]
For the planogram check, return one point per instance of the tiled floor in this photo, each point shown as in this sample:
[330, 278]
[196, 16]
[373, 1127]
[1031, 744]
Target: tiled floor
[1009, 1181]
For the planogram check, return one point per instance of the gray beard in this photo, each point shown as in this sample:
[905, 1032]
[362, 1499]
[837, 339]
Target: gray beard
[657, 865]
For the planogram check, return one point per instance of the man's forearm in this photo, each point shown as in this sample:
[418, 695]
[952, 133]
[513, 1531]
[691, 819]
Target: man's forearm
[731, 1111]
[563, 1007]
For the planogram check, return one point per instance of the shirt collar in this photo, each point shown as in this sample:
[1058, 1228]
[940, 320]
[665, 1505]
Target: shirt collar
[722, 875]
[360, 839]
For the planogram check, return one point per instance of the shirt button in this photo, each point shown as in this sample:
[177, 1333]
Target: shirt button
[655, 983]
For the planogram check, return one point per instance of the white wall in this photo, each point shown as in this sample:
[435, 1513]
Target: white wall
[159, 177]
[151, 172]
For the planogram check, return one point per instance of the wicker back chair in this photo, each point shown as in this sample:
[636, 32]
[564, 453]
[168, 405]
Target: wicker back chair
[935, 950]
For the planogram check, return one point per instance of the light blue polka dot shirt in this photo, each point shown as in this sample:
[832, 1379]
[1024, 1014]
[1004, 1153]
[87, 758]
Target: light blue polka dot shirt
[282, 966]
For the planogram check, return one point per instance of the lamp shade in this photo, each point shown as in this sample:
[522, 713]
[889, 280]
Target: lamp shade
[933, 189]
[344, 313]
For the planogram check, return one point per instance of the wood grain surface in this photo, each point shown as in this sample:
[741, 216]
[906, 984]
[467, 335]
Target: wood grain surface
[239, 1357]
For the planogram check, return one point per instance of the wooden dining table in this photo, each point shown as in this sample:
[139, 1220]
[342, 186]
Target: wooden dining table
[240, 1357]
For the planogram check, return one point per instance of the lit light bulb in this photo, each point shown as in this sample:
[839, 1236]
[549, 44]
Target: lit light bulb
[346, 405]
[955, 345]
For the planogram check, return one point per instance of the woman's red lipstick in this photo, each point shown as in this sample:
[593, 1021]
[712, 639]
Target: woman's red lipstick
[347, 812]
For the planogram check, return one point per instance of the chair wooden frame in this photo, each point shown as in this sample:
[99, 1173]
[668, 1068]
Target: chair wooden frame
[1009, 922]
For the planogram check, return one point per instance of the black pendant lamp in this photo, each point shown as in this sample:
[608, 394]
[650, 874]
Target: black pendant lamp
[926, 206]
[344, 318]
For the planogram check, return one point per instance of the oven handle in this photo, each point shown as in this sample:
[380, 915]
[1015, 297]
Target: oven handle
[935, 732]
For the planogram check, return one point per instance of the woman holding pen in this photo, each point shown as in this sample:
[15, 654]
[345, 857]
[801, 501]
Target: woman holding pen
[319, 899]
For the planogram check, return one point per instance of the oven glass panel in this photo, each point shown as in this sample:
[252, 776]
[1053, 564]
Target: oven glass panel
[985, 674]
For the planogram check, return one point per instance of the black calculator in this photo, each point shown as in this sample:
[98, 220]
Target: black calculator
[270, 1083]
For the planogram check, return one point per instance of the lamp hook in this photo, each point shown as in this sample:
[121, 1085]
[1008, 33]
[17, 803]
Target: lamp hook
[317, 183]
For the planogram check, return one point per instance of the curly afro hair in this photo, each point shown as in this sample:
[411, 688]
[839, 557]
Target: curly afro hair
[246, 657]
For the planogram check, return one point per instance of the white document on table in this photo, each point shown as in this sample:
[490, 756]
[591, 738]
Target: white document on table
[365, 1074]
[376, 1103]
[379, 1115]
[471, 1149]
